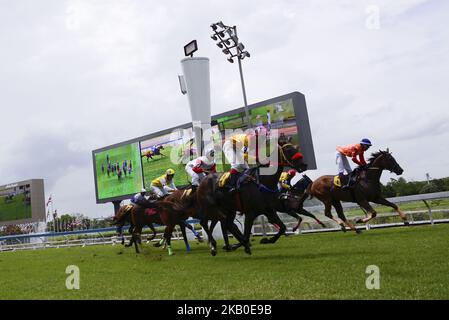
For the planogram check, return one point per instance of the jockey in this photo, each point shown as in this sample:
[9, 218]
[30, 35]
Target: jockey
[198, 168]
[164, 184]
[285, 180]
[235, 149]
[355, 151]
[139, 198]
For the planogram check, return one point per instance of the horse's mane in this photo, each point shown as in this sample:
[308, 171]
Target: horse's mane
[375, 155]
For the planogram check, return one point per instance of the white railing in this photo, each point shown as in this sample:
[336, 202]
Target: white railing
[260, 227]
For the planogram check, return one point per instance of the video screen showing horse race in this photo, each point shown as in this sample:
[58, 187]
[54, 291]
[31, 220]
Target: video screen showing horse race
[118, 171]
[264, 119]
[172, 150]
[15, 203]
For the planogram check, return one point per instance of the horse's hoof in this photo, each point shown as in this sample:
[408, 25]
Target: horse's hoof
[213, 252]
[406, 223]
[358, 220]
[358, 231]
[343, 228]
[156, 245]
[264, 241]
[248, 250]
[235, 247]
[227, 248]
[200, 239]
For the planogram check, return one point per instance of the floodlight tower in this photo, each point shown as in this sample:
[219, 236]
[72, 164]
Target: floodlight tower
[195, 82]
[228, 41]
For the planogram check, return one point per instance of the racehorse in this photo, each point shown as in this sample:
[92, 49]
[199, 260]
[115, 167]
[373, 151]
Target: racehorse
[155, 151]
[253, 197]
[140, 216]
[290, 202]
[367, 189]
[181, 204]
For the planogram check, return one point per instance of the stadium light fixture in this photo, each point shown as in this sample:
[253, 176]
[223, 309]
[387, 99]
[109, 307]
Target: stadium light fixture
[232, 51]
[190, 48]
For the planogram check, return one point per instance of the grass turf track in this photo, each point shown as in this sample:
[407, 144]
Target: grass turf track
[413, 262]
[15, 209]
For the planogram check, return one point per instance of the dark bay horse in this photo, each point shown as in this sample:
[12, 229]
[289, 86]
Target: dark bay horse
[367, 189]
[252, 199]
[182, 204]
[291, 202]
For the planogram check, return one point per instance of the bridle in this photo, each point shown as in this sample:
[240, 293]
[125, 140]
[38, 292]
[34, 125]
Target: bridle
[395, 167]
[284, 157]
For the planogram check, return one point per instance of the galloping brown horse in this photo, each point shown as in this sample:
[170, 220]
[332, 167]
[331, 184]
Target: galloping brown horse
[252, 198]
[367, 189]
[181, 204]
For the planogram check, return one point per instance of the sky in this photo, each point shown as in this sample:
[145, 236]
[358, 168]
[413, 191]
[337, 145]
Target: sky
[80, 75]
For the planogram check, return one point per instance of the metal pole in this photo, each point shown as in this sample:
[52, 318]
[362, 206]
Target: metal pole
[243, 83]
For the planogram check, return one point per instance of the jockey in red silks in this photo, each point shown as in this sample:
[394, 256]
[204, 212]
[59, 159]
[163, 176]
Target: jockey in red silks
[198, 168]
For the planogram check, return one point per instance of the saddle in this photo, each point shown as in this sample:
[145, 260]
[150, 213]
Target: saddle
[347, 179]
[240, 179]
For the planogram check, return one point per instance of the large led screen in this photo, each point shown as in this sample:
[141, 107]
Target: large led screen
[118, 171]
[123, 169]
[15, 203]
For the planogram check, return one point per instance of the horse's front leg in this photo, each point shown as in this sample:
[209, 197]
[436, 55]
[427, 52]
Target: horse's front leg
[364, 204]
[387, 203]
[274, 219]
[151, 226]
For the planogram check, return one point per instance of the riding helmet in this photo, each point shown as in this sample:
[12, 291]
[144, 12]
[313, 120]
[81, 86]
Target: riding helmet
[366, 141]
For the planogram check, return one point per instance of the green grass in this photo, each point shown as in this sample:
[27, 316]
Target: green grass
[413, 264]
[110, 186]
[15, 209]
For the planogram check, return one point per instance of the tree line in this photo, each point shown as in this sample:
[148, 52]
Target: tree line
[402, 187]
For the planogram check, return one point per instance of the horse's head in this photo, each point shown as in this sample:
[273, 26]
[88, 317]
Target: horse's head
[289, 155]
[385, 160]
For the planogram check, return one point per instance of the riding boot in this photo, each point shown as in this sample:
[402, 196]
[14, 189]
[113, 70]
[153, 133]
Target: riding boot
[232, 182]
[342, 180]
[351, 181]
